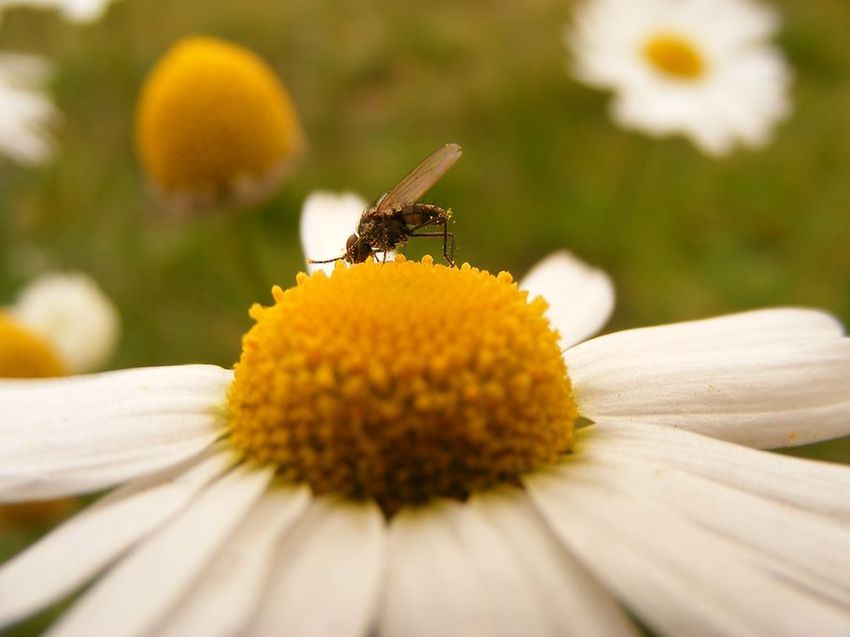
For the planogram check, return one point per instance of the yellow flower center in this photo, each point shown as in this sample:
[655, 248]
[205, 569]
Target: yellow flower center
[25, 355]
[214, 125]
[675, 56]
[401, 382]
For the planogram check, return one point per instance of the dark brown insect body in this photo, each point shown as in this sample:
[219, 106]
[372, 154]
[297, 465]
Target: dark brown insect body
[397, 216]
[385, 232]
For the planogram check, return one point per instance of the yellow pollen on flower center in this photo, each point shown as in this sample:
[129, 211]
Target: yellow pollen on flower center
[24, 354]
[401, 382]
[675, 56]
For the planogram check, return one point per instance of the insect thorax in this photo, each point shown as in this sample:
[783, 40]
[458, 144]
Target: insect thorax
[382, 234]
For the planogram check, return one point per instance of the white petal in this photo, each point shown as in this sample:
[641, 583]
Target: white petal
[327, 220]
[819, 487]
[73, 435]
[580, 297]
[223, 601]
[779, 535]
[765, 379]
[73, 10]
[79, 549]
[72, 313]
[24, 69]
[328, 573]
[134, 596]
[677, 575]
[489, 567]
[83, 10]
[433, 587]
[28, 113]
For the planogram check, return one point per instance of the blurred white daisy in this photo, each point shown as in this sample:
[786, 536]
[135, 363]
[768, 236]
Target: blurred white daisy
[704, 69]
[72, 10]
[327, 220]
[61, 323]
[26, 112]
[396, 454]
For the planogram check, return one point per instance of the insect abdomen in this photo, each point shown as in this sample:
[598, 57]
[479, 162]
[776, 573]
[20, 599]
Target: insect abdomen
[417, 214]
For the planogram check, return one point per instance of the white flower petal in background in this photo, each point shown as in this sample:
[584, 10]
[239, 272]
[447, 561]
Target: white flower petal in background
[327, 220]
[701, 68]
[27, 114]
[72, 10]
[580, 297]
[74, 435]
[334, 559]
[772, 378]
[70, 312]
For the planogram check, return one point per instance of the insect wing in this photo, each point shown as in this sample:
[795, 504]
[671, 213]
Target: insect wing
[420, 179]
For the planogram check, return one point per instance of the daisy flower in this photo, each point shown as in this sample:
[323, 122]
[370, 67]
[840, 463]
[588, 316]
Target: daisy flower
[215, 126]
[72, 10]
[26, 113]
[704, 69]
[61, 323]
[413, 449]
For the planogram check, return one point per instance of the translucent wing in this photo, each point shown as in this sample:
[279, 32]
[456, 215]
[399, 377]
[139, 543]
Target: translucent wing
[420, 179]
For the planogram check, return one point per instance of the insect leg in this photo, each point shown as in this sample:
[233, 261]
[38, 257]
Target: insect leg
[446, 234]
[448, 240]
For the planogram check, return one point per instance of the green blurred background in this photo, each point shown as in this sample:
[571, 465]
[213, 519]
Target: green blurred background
[378, 85]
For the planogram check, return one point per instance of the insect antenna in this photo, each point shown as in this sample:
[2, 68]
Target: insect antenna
[312, 262]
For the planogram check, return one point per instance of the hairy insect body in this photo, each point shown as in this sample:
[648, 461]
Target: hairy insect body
[383, 232]
[399, 216]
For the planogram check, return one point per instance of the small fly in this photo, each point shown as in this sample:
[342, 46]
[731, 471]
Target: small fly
[398, 215]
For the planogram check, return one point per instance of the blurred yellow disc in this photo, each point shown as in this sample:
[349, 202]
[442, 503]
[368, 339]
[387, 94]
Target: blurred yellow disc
[215, 126]
[24, 354]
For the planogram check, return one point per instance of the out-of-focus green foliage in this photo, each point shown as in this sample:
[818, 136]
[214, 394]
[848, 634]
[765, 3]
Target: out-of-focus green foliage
[380, 84]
